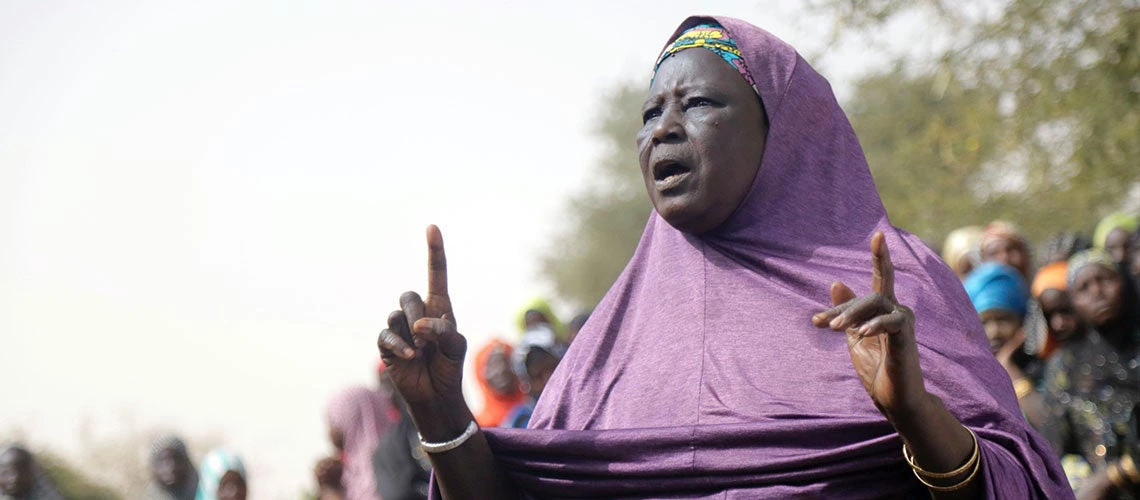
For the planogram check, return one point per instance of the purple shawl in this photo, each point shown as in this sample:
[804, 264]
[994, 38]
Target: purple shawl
[700, 373]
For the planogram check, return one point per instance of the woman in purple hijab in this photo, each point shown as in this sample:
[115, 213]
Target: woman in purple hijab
[736, 303]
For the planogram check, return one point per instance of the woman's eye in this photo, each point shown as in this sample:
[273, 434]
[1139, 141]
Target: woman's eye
[697, 102]
[650, 114]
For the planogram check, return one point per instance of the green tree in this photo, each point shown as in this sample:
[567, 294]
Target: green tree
[1028, 111]
[609, 214]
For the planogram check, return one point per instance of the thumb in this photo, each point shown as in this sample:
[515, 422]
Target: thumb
[453, 345]
[840, 293]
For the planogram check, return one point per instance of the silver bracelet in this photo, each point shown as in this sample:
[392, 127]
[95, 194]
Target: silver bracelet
[472, 428]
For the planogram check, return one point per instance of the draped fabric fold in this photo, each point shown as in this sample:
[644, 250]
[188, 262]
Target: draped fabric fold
[700, 374]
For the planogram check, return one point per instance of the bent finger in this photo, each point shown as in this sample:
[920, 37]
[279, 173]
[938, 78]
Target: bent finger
[398, 324]
[859, 311]
[841, 296]
[413, 308]
[392, 346]
[887, 323]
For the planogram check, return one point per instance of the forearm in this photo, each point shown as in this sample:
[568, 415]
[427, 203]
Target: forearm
[468, 471]
[939, 443]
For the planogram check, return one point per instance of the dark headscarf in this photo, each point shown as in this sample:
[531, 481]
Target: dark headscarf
[700, 375]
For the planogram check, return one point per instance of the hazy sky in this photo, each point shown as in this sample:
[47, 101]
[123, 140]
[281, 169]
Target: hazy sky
[207, 209]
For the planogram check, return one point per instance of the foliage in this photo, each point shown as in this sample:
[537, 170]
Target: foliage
[1030, 112]
[607, 218]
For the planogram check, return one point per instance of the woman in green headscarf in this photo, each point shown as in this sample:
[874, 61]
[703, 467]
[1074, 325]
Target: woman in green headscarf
[1114, 235]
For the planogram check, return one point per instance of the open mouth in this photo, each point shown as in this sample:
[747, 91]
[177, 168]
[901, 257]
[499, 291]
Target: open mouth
[670, 174]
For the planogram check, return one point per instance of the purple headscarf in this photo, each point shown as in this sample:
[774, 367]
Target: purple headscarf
[700, 373]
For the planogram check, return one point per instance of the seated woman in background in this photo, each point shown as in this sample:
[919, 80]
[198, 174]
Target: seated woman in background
[1000, 297]
[1003, 242]
[1057, 318]
[1114, 235]
[961, 251]
[21, 477]
[222, 477]
[358, 419]
[498, 382]
[1092, 381]
[172, 473]
[728, 360]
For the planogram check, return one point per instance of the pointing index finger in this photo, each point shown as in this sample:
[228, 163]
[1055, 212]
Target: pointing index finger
[883, 275]
[437, 264]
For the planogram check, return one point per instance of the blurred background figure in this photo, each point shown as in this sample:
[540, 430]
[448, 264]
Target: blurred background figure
[329, 473]
[1114, 234]
[1003, 242]
[1000, 296]
[21, 478]
[961, 251]
[575, 325]
[1058, 320]
[222, 477]
[538, 365]
[1062, 246]
[403, 470]
[1091, 381]
[172, 473]
[358, 418]
[498, 382]
[539, 324]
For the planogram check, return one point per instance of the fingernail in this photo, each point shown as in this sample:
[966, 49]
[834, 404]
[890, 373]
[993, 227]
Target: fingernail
[836, 322]
[409, 353]
[862, 330]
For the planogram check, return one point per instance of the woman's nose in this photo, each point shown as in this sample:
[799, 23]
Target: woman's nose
[669, 127]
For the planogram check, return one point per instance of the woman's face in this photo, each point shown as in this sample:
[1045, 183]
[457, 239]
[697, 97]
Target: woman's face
[1118, 244]
[232, 487]
[1096, 294]
[1059, 313]
[170, 468]
[499, 373]
[1000, 327]
[1009, 252]
[702, 141]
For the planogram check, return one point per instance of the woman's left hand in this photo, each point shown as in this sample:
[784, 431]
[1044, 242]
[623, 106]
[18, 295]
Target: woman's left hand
[880, 337]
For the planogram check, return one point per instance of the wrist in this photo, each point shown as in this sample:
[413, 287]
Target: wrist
[441, 420]
[910, 416]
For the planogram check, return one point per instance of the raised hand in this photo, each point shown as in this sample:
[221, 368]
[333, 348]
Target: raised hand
[421, 346]
[880, 336]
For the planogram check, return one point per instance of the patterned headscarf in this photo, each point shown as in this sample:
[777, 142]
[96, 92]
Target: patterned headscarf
[710, 36]
[1120, 220]
[216, 464]
[1086, 258]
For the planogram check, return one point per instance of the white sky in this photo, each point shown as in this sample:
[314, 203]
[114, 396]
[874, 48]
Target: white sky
[207, 209]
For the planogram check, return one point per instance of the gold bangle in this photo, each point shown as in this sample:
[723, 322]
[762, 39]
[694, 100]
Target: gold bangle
[1023, 387]
[945, 475]
[946, 489]
[1129, 468]
[1115, 478]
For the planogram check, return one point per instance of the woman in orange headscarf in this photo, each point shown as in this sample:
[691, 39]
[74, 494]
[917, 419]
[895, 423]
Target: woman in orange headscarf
[497, 381]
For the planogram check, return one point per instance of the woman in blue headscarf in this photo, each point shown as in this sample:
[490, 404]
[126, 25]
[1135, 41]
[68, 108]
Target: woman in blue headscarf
[222, 477]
